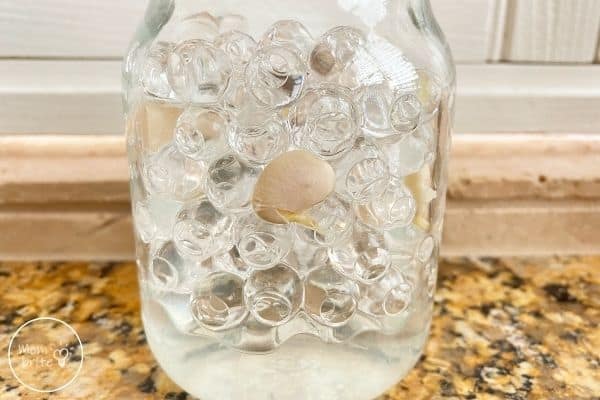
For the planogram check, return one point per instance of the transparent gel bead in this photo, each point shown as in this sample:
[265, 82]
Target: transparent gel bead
[154, 76]
[364, 258]
[168, 268]
[170, 174]
[335, 50]
[230, 184]
[325, 121]
[262, 244]
[275, 295]
[201, 132]
[405, 156]
[331, 298]
[332, 221]
[361, 173]
[260, 137]
[275, 76]
[431, 278]
[202, 231]
[238, 46]
[375, 103]
[217, 301]
[199, 72]
[200, 26]
[233, 22]
[232, 261]
[405, 113]
[144, 223]
[411, 243]
[390, 296]
[395, 207]
[289, 33]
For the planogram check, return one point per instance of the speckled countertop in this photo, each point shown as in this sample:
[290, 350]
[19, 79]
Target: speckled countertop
[503, 329]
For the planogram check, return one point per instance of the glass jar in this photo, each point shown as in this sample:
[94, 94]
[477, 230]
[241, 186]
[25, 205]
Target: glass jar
[288, 175]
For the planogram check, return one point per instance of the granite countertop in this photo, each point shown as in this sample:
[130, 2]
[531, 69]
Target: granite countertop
[503, 329]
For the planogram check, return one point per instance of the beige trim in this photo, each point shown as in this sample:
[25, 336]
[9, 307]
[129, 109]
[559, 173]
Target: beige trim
[66, 197]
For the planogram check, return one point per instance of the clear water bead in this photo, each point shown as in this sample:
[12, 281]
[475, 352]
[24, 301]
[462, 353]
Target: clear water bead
[289, 33]
[325, 121]
[202, 231]
[390, 296]
[405, 156]
[199, 72]
[233, 22]
[217, 301]
[259, 137]
[361, 174]
[238, 46]
[168, 268]
[200, 26]
[395, 207]
[335, 50]
[262, 244]
[154, 77]
[275, 295]
[230, 184]
[332, 219]
[405, 113]
[201, 132]
[375, 102]
[275, 76]
[364, 258]
[170, 174]
[143, 221]
[331, 298]
[231, 261]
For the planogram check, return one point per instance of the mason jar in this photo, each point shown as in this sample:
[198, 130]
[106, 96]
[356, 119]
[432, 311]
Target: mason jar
[288, 166]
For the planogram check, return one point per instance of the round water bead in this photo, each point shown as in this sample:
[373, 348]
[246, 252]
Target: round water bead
[325, 121]
[262, 244]
[411, 242]
[331, 298]
[200, 26]
[289, 33]
[274, 295]
[154, 77]
[405, 113]
[168, 268]
[238, 46]
[331, 222]
[396, 206]
[169, 173]
[231, 260]
[405, 156]
[232, 22]
[259, 140]
[365, 257]
[230, 184]
[335, 50]
[217, 301]
[390, 296]
[199, 72]
[429, 93]
[275, 76]
[201, 132]
[387, 114]
[143, 221]
[362, 173]
[202, 230]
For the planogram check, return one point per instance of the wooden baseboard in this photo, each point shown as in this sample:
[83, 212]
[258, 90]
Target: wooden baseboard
[66, 197]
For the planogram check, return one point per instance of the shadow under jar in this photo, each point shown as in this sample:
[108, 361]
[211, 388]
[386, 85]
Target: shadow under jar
[288, 176]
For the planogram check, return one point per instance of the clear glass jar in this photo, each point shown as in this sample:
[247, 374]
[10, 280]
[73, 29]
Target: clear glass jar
[288, 176]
